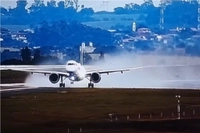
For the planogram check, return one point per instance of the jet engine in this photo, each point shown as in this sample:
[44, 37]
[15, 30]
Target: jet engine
[95, 77]
[54, 78]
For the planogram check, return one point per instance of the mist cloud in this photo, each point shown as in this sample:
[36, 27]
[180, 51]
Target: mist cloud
[187, 76]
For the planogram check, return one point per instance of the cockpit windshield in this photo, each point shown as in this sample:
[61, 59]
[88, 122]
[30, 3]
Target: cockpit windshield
[71, 64]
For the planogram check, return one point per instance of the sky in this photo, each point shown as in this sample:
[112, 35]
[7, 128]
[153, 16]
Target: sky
[97, 5]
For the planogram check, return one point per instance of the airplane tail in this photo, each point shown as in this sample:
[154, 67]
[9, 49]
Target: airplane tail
[82, 47]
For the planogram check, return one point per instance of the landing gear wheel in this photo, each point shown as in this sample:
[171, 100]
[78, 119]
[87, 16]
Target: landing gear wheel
[90, 85]
[62, 85]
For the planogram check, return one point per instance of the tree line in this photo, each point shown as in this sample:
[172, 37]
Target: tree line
[27, 58]
[39, 11]
[175, 13]
[62, 33]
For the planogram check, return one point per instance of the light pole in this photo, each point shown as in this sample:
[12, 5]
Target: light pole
[178, 106]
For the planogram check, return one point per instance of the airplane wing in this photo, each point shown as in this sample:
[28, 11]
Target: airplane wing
[130, 69]
[112, 71]
[100, 71]
[64, 74]
[3, 67]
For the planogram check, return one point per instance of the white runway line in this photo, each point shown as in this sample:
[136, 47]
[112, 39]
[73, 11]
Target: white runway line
[15, 89]
[14, 84]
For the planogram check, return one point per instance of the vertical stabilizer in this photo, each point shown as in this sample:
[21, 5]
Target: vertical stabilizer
[82, 47]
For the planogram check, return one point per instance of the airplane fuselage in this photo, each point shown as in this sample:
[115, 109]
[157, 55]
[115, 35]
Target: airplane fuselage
[75, 70]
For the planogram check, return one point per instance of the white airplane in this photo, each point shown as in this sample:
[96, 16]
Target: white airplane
[74, 71]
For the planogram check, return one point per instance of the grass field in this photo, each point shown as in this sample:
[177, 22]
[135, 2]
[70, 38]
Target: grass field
[8, 76]
[89, 108]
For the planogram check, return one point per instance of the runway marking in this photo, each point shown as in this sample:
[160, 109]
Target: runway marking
[15, 89]
[13, 84]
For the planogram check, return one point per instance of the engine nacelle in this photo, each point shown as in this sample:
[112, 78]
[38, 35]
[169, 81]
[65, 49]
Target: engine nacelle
[95, 77]
[54, 78]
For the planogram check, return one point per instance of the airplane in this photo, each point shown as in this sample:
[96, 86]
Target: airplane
[74, 71]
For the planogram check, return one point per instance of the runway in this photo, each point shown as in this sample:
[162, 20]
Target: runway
[25, 87]
[15, 87]
[22, 88]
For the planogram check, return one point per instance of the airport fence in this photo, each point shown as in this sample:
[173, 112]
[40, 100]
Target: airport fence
[162, 115]
[115, 122]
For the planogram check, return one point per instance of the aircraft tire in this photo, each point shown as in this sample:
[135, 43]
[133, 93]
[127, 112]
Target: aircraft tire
[90, 85]
[62, 85]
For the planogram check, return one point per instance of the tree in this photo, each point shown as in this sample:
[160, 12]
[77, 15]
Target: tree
[51, 10]
[128, 6]
[136, 7]
[37, 6]
[51, 3]
[37, 11]
[153, 17]
[132, 8]
[82, 6]
[149, 2]
[61, 33]
[87, 11]
[76, 5]
[61, 4]
[3, 10]
[26, 55]
[19, 14]
[181, 14]
[119, 10]
[21, 4]
[37, 56]
[72, 3]
[38, 3]
[164, 3]
[147, 6]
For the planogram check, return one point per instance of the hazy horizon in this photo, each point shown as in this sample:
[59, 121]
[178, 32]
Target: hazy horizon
[97, 5]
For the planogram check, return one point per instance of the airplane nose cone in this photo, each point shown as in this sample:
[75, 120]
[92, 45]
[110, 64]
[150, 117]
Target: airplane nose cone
[71, 68]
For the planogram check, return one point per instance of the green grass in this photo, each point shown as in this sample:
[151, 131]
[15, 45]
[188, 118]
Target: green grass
[116, 17]
[86, 105]
[8, 76]
[107, 24]
[56, 112]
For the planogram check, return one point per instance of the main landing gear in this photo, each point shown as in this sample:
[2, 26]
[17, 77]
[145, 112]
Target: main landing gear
[90, 85]
[62, 85]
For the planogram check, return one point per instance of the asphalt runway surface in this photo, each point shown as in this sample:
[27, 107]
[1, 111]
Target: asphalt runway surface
[23, 88]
